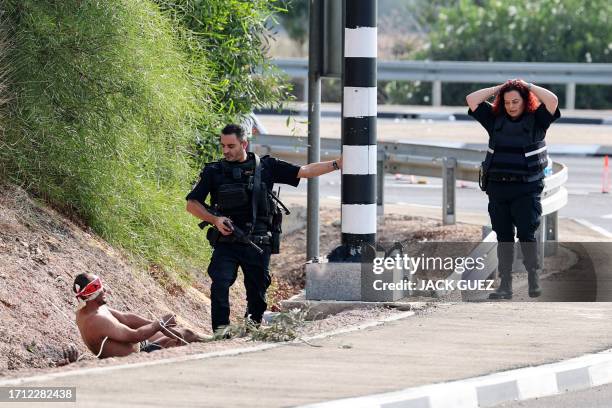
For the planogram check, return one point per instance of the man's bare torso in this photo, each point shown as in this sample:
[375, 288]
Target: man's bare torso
[93, 336]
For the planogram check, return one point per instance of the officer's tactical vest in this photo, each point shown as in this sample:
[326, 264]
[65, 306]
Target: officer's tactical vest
[513, 148]
[233, 191]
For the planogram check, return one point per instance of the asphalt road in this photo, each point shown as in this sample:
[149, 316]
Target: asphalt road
[598, 397]
[449, 342]
[584, 186]
[435, 131]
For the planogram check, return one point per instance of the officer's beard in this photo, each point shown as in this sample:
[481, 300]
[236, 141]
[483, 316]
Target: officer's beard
[235, 157]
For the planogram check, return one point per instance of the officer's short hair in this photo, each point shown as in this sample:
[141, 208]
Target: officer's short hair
[233, 129]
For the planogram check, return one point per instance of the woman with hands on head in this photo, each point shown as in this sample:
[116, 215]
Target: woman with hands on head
[513, 169]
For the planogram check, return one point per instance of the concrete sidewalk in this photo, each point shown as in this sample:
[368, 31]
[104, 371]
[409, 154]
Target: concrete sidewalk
[449, 342]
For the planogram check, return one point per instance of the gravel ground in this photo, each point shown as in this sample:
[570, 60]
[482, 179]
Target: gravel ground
[410, 231]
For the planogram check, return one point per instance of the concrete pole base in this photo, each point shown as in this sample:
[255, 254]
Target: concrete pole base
[346, 281]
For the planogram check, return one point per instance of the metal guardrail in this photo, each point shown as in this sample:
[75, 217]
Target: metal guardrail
[422, 160]
[435, 161]
[437, 72]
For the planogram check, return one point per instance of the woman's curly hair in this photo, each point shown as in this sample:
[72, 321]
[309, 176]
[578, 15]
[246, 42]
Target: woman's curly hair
[531, 101]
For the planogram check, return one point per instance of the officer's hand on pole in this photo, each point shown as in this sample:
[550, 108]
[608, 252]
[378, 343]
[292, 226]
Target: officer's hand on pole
[223, 225]
[339, 162]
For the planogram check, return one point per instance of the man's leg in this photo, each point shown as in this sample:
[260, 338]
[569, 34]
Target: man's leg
[186, 334]
[163, 342]
[256, 271]
[501, 221]
[223, 270]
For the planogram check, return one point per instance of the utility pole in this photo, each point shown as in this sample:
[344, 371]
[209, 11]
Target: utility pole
[359, 108]
[314, 114]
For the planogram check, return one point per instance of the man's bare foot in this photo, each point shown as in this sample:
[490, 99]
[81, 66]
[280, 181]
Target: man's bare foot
[193, 337]
[71, 355]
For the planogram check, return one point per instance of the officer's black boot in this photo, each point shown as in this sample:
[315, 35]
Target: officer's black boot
[534, 284]
[505, 288]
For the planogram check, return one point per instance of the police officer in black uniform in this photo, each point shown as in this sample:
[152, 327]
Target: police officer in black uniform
[514, 170]
[240, 187]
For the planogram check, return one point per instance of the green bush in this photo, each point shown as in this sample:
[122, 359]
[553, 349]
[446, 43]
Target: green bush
[296, 20]
[235, 37]
[530, 31]
[106, 106]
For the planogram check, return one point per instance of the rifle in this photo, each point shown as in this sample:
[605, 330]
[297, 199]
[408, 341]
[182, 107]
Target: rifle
[237, 233]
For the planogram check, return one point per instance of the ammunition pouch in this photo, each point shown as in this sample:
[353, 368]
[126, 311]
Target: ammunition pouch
[213, 235]
[275, 240]
[277, 231]
[261, 240]
[483, 177]
[232, 197]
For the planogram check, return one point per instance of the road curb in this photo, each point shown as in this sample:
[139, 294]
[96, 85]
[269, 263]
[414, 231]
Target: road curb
[593, 227]
[591, 370]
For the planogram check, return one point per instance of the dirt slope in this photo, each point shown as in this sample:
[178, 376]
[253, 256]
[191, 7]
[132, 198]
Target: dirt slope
[40, 254]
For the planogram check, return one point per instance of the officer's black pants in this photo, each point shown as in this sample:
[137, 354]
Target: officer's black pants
[515, 204]
[223, 270]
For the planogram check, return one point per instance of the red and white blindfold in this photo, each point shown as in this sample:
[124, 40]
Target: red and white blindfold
[91, 290]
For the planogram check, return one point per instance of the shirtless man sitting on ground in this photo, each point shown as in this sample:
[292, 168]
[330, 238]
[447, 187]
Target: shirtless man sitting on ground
[111, 333]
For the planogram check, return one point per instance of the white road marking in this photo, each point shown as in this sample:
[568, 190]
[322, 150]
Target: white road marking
[594, 227]
[416, 185]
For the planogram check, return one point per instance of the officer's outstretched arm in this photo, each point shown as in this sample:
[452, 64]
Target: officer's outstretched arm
[320, 168]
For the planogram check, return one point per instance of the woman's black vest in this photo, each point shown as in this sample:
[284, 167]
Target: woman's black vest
[517, 148]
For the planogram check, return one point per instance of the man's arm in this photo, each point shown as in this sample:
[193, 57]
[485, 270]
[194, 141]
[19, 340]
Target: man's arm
[318, 169]
[477, 97]
[120, 332]
[131, 320]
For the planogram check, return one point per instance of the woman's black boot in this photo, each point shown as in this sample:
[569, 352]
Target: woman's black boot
[505, 288]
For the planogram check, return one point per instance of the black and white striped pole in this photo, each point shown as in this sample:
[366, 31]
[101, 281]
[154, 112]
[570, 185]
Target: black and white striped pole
[359, 159]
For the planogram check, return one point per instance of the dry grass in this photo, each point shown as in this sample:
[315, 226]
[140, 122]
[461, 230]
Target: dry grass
[284, 326]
